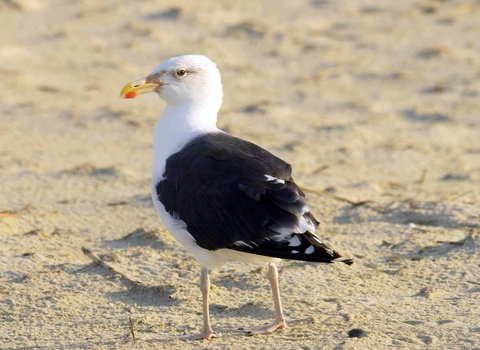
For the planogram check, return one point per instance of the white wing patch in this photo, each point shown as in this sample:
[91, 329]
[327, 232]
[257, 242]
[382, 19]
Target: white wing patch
[304, 225]
[294, 241]
[305, 209]
[309, 250]
[274, 179]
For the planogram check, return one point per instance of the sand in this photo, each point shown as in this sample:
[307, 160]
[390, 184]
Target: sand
[374, 103]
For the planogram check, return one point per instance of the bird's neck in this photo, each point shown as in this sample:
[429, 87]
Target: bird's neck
[177, 126]
[189, 117]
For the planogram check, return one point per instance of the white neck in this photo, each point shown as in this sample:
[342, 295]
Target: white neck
[177, 126]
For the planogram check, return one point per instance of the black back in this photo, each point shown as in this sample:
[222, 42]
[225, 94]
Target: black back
[217, 185]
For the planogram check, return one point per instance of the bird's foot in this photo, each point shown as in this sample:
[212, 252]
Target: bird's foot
[207, 335]
[266, 328]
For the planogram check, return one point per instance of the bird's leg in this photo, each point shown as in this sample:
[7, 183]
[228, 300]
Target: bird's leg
[279, 323]
[272, 276]
[207, 332]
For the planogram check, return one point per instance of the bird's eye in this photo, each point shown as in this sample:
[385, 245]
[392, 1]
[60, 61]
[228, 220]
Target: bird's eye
[181, 72]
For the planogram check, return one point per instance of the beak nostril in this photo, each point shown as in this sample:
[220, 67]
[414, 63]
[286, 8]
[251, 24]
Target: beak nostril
[136, 86]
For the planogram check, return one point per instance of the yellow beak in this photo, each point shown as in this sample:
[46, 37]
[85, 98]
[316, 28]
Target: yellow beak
[138, 87]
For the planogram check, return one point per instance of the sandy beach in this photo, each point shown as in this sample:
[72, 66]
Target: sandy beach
[375, 104]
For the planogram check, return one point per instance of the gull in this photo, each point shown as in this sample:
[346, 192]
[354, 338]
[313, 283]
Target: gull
[221, 197]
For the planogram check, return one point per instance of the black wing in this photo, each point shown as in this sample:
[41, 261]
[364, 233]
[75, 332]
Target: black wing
[234, 194]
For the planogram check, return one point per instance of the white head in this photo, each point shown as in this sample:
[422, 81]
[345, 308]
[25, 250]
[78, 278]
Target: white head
[189, 79]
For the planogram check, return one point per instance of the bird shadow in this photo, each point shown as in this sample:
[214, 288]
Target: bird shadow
[139, 292]
[141, 237]
[253, 309]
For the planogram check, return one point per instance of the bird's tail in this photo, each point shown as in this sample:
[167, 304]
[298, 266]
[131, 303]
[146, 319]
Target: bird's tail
[299, 246]
[322, 248]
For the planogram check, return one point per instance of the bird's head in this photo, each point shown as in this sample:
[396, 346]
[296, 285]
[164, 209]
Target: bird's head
[179, 80]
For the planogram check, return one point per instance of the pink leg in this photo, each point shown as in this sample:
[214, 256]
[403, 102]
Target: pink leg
[207, 332]
[279, 323]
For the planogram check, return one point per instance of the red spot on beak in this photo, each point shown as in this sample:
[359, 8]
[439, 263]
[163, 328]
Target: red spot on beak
[131, 94]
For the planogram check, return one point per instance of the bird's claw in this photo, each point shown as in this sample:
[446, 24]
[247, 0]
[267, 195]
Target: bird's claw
[208, 335]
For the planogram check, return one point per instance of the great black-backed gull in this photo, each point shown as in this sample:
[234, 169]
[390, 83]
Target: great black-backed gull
[221, 197]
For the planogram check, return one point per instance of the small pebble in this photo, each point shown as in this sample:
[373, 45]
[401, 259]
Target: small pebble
[357, 333]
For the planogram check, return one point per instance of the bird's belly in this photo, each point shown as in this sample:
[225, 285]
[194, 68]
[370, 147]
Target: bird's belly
[234, 255]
